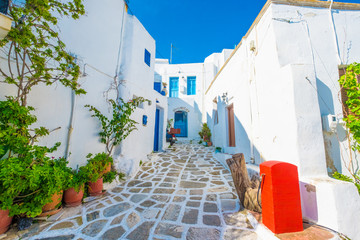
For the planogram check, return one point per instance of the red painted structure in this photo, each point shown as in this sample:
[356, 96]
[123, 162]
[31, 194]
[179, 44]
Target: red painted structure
[280, 197]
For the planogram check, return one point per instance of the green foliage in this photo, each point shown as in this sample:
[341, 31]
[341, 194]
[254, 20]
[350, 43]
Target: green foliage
[109, 177]
[205, 133]
[96, 166]
[140, 163]
[351, 85]
[119, 127]
[27, 185]
[200, 142]
[34, 44]
[169, 123]
[15, 134]
[76, 178]
[345, 178]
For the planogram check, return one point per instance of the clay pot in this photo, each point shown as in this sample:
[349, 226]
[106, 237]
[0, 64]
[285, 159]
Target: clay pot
[73, 198]
[209, 144]
[107, 169]
[95, 188]
[55, 200]
[5, 221]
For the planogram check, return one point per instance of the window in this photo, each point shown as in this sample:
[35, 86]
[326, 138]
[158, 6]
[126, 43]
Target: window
[191, 85]
[174, 87]
[147, 57]
[157, 86]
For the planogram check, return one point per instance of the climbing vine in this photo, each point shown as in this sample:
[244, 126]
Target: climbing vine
[350, 82]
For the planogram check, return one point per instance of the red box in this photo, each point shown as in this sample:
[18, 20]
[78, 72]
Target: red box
[280, 197]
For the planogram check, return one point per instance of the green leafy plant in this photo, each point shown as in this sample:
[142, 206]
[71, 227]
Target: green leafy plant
[26, 185]
[76, 178]
[110, 177]
[205, 133]
[350, 83]
[96, 166]
[200, 142]
[33, 43]
[169, 123]
[115, 130]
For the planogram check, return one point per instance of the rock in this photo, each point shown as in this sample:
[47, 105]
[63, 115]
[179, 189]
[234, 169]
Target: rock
[116, 209]
[231, 234]
[94, 228]
[132, 220]
[117, 220]
[210, 207]
[92, 216]
[62, 237]
[164, 190]
[190, 216]
[113, 233]
[138, 198]
[171, 230]
[142, 232]
[212, 220]
[203, 233]
[192, 204]
[187, 184]
[211, 197]
[228, 205]
[172, 212]
[62, 225]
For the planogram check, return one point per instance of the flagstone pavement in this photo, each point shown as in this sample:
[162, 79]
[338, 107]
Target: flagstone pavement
[183, 193]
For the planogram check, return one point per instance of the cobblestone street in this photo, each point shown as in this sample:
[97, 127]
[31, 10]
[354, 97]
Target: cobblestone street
[183, 193]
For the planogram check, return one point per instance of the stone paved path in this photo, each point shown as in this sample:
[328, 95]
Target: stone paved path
[183, 194]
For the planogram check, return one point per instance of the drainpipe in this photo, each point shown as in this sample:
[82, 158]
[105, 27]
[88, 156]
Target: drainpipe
[72, 116]
[203, 94]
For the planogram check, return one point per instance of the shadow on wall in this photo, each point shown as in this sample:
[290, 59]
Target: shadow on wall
[220, 135]
[194, 115]
[331, 140]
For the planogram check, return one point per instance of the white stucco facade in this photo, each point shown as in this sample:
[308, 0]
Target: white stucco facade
[281, 80]
[109, 44]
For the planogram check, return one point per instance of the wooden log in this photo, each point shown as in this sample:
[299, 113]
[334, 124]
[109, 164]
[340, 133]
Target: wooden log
[246, 189]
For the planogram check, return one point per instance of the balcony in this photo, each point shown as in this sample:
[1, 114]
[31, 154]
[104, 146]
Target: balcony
[5, 20]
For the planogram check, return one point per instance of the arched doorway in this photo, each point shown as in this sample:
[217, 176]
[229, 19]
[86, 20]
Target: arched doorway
[181, 122]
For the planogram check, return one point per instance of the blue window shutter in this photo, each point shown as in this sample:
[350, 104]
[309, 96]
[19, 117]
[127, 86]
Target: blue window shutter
[147, 57]
[174, 87]
[157, 86]
[191, 85]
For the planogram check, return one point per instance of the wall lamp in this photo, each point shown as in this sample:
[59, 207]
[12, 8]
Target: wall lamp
[224, 97]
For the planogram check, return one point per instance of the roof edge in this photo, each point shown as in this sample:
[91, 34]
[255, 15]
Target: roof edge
[303, 3]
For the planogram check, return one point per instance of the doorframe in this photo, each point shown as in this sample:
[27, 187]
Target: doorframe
[187, 122]
[231, 135]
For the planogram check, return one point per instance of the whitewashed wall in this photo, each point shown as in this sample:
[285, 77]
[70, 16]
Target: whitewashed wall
[96, 39]
[279, 92]
[193, 104]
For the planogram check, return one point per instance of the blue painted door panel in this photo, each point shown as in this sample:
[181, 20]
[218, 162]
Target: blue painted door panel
[157, 128]
[181, 122]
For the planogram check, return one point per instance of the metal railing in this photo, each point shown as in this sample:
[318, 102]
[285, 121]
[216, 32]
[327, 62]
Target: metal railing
[4, 6]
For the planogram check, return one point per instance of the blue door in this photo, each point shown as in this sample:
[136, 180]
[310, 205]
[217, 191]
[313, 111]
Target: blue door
[181, 122]
[157, 128]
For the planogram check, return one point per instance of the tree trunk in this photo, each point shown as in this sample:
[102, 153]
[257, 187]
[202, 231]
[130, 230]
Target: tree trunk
[246, 189]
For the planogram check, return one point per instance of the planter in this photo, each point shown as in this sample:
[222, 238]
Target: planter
[51, 207]
[209, 144]
[5, 221]
[73, 198]
[95, 188]
[108, 169]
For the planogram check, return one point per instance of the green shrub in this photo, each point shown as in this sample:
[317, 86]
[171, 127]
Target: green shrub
[96, 165]
[76, 178]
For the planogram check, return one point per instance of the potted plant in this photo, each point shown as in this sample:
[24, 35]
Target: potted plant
[5, 221]
[218, 150]
[96, 168]
[205, 134]
[74, 192]
[55, 177]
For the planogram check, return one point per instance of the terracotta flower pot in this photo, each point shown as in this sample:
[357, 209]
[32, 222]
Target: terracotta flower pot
[95, 188]
[108, 169]
[5, 221]
[209, 144]
[73, 198]
[55, 201]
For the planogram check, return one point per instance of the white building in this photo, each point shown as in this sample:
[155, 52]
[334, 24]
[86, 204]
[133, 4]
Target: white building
[116, 55]
[270, 96]
[186, 85]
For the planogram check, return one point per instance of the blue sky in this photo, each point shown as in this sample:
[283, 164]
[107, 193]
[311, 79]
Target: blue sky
[197, 28]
